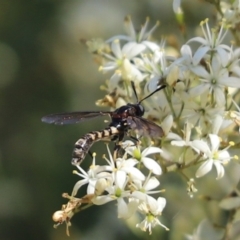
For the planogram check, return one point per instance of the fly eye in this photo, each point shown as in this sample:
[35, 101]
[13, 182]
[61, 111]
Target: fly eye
[140, 110]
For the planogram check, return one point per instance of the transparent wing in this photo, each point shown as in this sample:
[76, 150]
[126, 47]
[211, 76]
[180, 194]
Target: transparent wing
[145, 127]
[72, 117]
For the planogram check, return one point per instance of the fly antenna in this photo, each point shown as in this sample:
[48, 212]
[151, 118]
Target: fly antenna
[135, 93]
[134, 90]
[158, 89]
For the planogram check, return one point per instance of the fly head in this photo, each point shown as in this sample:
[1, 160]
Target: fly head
[135, 110]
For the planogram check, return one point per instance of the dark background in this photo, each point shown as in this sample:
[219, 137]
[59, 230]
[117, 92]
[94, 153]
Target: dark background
[45, 69]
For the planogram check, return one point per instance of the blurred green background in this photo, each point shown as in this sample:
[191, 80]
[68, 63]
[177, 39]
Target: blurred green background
[45, 69]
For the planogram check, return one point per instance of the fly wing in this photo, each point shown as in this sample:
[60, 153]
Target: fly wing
[72, 117]
[145, 127]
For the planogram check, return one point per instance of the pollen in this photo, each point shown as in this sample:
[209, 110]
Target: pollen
[204, 22]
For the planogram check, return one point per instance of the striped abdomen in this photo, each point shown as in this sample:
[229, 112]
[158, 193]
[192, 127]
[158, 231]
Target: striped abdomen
[83, 145]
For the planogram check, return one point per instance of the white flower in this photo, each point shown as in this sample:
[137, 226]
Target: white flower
[142, 190]
[120, 63]
[117, 186]
[125, 165]
[212, 41]
[128, 51]
[188, 60]
[149, 163]
[152, 208]
[148, 64]
[187, 134]
[94, 173]
[117, 192]
[158, 107]
[212, 156]
[214, 81]
[133, 35]
[202, 114]
[167, 123]
[156, 66]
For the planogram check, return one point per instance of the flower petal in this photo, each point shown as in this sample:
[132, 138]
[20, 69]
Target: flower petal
[199, 54]
[78, 185]
[204, 168]
[121, 178]
[198, 39]
[222, 56]
[116, 49]
[134, 173]
[152, 165]
[219, 97]
[224, 156]
[151, 184]
[200, 71]
[220, 169]
[201, 146]
[100, 200]
[161, 203]
[139, 195]
[152, 204]
[151, 150]
[132, 49]
[122, 209]
[214, 139]
[176, 5]
[230, 82]
[179, 143]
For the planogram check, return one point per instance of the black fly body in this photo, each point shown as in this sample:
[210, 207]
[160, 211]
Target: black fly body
[123, 119]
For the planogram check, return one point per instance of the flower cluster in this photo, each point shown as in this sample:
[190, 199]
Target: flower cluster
[196, 111]
[197, 106]
[120, 180]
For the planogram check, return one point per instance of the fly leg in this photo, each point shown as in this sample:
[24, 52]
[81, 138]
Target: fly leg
[90, 153]
[118, 145]
[136, 140]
